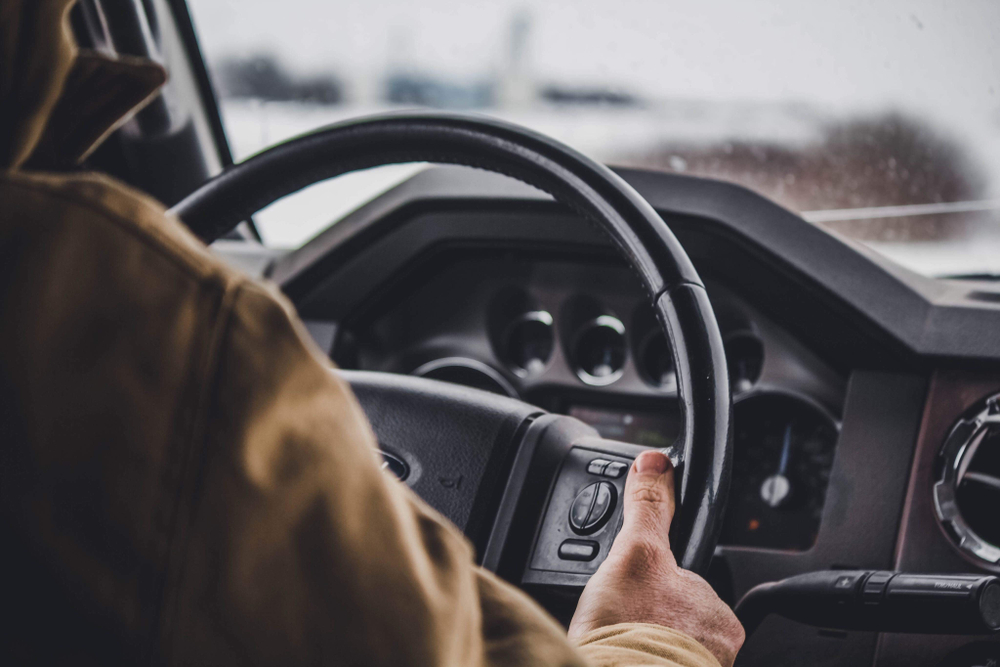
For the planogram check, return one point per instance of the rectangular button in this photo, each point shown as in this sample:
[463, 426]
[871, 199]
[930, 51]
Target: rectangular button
[578, 550]
[615, 469]
[597, 466]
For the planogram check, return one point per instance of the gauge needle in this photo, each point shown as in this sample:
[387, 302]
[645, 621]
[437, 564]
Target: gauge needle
[605, 368]
[775, 488]
[786, 448]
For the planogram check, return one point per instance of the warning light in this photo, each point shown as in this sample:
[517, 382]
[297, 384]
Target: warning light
[754, 524]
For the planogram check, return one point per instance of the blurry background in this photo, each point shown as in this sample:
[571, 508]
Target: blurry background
[880, 121]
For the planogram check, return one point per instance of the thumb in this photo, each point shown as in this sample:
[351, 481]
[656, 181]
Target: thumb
[649, 497]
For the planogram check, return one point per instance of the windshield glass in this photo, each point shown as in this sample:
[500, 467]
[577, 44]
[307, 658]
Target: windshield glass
[879, 121]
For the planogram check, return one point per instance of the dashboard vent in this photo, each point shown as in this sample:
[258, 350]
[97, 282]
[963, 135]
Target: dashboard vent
[967, 492]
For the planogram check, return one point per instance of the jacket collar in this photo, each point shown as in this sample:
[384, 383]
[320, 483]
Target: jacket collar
[57, 102]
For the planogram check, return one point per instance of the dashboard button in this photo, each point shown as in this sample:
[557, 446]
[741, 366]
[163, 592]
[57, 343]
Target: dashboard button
[604, 504]
[579, 511]
[615, 469]
[578, 550]
[592, 507]
[598, 466]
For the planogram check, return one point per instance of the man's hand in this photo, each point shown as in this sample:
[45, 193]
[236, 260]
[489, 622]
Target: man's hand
[640, 581]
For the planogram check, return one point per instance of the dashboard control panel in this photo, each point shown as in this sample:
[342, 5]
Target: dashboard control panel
[582, 518]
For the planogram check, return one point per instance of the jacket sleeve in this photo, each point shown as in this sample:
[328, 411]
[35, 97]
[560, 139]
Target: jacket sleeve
[185, 478]
[643, 644]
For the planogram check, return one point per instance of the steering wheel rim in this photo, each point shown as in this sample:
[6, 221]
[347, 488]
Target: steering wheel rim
[592, 190]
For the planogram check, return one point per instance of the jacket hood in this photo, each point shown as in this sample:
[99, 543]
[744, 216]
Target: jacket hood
[58, 102]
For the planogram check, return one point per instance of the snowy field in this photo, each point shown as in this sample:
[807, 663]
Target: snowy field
[603, 133]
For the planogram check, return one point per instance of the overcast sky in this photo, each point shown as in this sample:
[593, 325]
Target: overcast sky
[922, 54]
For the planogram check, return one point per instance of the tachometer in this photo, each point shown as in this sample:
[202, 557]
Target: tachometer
[783, 453]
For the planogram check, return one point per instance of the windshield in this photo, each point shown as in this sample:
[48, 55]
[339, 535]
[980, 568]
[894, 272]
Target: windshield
[879, 121]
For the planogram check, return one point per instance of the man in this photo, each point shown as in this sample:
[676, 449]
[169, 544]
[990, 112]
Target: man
[183, 481]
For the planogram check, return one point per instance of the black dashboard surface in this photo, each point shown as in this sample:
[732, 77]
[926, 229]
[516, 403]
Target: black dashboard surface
[463, 315]
[867, 309]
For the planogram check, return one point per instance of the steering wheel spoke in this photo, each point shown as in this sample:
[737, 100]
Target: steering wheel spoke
[539, 494]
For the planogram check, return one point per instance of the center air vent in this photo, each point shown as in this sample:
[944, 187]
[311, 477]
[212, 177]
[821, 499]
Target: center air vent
[967, 493]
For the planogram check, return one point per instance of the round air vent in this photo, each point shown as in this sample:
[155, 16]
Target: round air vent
[967, 492]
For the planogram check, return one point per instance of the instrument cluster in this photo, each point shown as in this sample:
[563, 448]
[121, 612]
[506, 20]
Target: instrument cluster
[581, 339]
[597, 341]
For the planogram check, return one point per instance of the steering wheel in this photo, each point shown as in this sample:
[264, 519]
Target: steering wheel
[489, 463]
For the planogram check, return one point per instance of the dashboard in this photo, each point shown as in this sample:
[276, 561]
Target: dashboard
[575, 335]
[861, 391]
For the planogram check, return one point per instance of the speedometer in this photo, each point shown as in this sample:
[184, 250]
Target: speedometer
[783, 450]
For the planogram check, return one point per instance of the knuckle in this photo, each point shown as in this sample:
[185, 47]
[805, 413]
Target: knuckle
[641, 557]
[696, 582]
[648, 493]
[737, 634]
[732, 634]
[733, 644]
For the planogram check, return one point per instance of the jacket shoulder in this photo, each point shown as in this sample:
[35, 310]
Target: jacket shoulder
[112, 317]
[39, 203]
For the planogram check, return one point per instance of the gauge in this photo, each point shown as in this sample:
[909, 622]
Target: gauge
[782, 455]
[653, 356]
[599, 350]
[745, 360]
[528, 343]
[655, 360]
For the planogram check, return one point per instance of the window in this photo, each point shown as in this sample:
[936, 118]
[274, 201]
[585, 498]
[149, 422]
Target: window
[879, 121]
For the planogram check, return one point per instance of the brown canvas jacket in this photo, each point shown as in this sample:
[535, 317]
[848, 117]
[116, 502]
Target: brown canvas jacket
[182, 480]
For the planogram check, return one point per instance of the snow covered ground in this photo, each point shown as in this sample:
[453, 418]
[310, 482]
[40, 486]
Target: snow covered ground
[605, 133]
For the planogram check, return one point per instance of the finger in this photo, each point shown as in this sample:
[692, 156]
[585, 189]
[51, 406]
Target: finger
[649, 496]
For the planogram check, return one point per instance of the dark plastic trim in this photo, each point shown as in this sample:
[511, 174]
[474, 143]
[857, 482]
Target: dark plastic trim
[189, 37]
[901, 319]
[206, 90]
